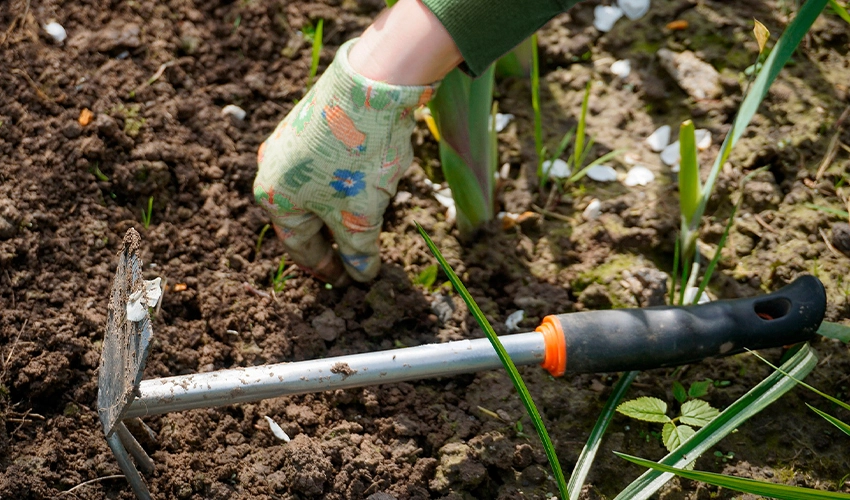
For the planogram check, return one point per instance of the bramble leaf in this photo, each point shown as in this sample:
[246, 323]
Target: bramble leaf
[698, 413]
[699, 389]
[674, 435]
[645, 408]
[679, 392]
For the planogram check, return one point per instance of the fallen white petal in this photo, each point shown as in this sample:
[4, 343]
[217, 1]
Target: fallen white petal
[140, 300]
[276, 430]
[634, 9]
[631, 158]
[604, 17]
[512, 321]
[691, 293]
[557, 169]
[639, 176]
[703, 139]
[593, 210]
[234, 111]
[675, 168]
[621, 68]
[602, 173]
[508, 215]
[671, 154]
[444, 197]
[502, 121]
[56, 31]
[659, 139]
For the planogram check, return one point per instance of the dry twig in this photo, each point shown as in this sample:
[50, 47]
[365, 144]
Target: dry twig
[91, 481]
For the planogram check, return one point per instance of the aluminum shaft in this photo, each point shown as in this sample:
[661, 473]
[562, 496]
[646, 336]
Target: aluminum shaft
[243, 385]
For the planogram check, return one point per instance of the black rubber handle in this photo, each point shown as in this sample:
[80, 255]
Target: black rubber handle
[640, 339]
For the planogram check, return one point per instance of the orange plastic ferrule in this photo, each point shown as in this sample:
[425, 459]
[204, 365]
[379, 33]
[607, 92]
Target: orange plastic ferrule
[555, 355]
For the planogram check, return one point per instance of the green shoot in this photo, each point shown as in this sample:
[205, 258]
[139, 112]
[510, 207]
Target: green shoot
[835, 331]
[694, 413]
[535, 106]
[771, 490]
[578, 149]
[427, 277]
[278, 278]
[838, 9]
[146, 215]
[97, 173]
[514, 375]
[317, 51]
[260, 239]
[829, 210]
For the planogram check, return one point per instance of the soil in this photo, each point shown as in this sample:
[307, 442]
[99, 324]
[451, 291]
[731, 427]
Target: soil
[157, 74]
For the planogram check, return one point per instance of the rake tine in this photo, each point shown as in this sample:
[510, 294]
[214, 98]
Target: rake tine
[130, 472]
[144, 462]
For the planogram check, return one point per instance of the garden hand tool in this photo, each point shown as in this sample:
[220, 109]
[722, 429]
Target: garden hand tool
[583, 342]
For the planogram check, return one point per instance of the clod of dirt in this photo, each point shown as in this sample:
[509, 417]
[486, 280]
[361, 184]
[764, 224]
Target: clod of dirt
[841, 237]
[696, 77]
[116, 35]
[306, 469]
[7, 229]
[443, 306]
[595, 296]
[328, 325]
[649, 285]
[458, 468]
[381, 496]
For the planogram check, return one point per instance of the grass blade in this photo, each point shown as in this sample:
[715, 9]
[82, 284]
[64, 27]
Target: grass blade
[317, 51]
[829, 210]
[602, 159]
[522, 390]
[588, 453]
[841, 11]
[829, 418]
[835, 331]
[578, 150]
[535, 106]
[799, 364]
[782, 51]
[803, 384]
[689, 183]
[773, 490]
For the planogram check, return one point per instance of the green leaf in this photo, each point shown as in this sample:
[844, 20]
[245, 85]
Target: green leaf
[780, 491]
[578, 150]
[514, 375]
[645, 408]
[829, 210]
[698, 413]
[841, 11]
[798, 381]
[588, 453]
[699, 389]
[834, 421]
[799, 364]
[428, 276]
[317, 51]
[835, 331]
[689, 183]
[679, 392]
[607, 156]
[674, 435]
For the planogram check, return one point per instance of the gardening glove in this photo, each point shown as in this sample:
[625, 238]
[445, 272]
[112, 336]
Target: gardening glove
[335, 162]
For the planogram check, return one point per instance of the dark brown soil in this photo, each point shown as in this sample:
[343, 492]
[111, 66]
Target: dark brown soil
[156, 75]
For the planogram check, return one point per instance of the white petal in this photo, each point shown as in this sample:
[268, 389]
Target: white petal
[234, 111]
[703, 139]
[691, 293]
[502, 121]
[639, 176]
[659, 139]
[56, 31]
[593, 210]
[512, 321]
[444, 197]
[634, 9]
[675, 168]
[153, 291]
[605, 16]
[671, 154]
[276, 430]
[557, 169]
[139, 301]
[602, 173]
[621, 68]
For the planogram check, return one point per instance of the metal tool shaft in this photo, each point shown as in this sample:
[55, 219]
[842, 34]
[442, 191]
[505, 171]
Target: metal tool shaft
[242, 385]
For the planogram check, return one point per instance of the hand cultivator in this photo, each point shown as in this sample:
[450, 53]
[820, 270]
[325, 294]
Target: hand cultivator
[584, 342]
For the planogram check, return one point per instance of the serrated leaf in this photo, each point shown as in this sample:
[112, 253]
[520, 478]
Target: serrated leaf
[674, 435]
[428, 276]
[699, 389]
[698, 413]
[762, 34]
[645, 408]
[679, 391]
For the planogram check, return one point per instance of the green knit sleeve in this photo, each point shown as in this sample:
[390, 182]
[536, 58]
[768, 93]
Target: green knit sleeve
[485, 30]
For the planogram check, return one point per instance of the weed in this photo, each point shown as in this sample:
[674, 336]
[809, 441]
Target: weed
[147, 214]
[278, 277]
[427, 277]
[316, 39]
[694, 413]
[95, 170]
[133, 123]
[259, 244]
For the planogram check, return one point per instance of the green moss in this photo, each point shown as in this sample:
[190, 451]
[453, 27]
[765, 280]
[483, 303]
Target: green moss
[604, 273]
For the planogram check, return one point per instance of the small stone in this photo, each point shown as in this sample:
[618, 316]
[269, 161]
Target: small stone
[672, 154]
[593, 210]
[703, 139]
[512, 321]
[557, 169]
[604, 17]
[659, 139]
[443, 307]
[602, 173]
[696, 77]
[621, 68]
[502, 121]
[56, 31]
[639, 176]
[634, 9]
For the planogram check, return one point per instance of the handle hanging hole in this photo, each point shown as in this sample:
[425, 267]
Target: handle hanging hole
[772, 309]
